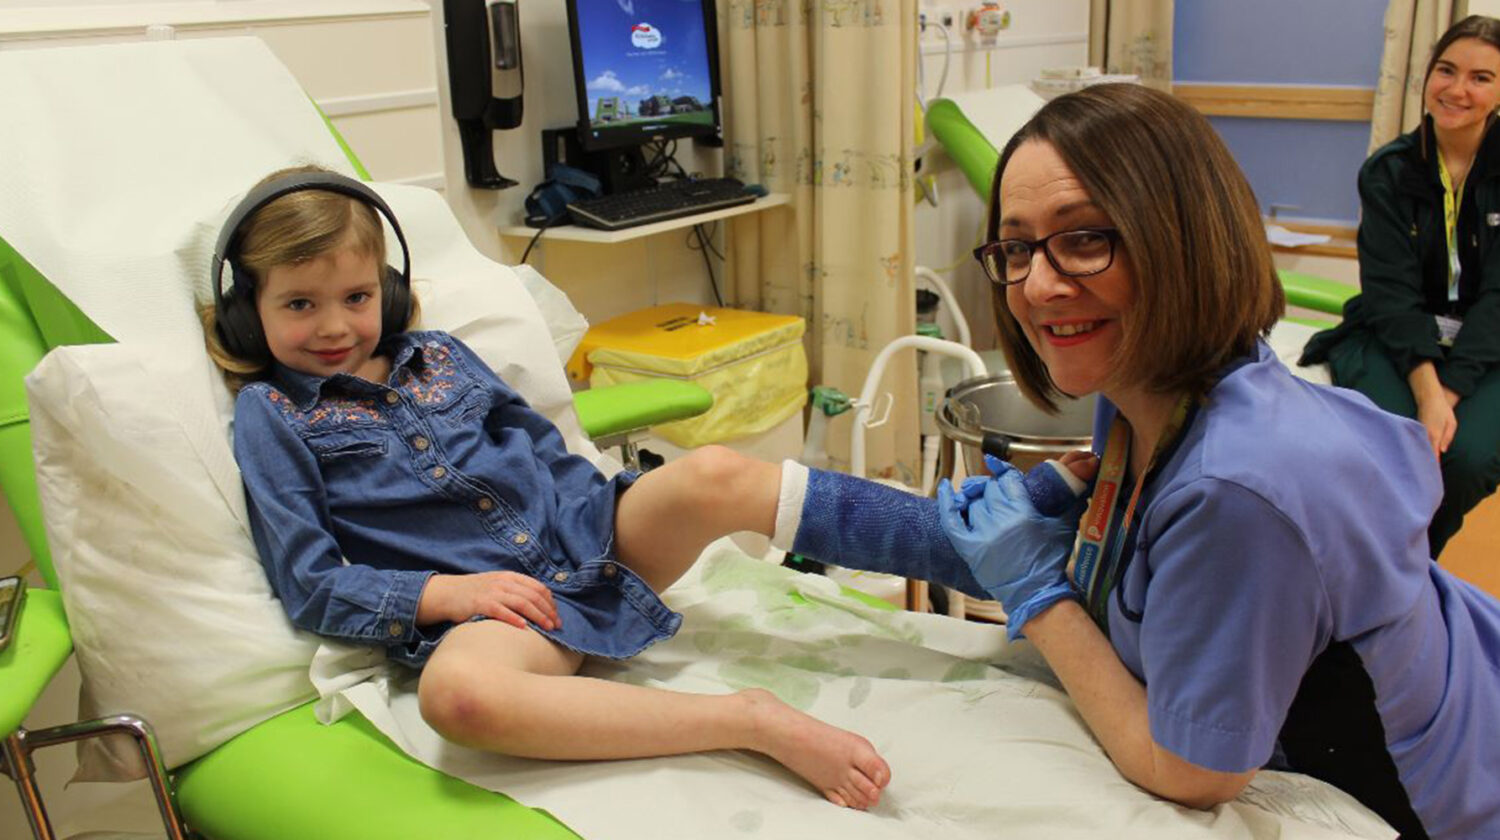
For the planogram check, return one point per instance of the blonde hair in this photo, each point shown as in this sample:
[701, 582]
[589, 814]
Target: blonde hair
[292, 229]
[1191, 234]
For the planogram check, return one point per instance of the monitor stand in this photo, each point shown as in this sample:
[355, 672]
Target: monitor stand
[619, 170]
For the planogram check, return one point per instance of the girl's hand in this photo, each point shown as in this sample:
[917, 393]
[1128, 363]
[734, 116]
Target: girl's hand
[1437, 415]
[510, 597]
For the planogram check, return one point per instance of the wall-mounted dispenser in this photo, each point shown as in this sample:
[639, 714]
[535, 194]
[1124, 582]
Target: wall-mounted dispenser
[485, 80]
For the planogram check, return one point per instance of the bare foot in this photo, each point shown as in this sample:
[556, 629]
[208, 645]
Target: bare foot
[843, 766]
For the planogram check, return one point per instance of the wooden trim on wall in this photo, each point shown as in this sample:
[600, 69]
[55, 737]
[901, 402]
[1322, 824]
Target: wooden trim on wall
[1336, 231]
[1288, 102]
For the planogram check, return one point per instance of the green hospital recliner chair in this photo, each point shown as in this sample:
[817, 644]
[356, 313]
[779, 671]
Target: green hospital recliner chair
[974, 126]
[289, 776]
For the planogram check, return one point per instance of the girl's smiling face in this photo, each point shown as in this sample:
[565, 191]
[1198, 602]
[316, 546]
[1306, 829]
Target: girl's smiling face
[322, 316]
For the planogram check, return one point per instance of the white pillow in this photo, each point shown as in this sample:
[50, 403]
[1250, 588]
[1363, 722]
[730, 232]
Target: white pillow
[172, 617]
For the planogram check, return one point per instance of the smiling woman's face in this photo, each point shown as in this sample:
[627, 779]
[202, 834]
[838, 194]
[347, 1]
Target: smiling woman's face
[1074, 324]
[1461, 91]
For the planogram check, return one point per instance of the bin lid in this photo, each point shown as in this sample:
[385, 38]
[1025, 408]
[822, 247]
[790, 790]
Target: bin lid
[681, 338]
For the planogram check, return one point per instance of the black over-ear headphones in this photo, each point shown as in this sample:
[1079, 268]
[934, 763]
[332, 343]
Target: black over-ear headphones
[237, 322]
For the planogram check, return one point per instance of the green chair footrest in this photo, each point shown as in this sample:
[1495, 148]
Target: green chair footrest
[636, 405]
[294, 777]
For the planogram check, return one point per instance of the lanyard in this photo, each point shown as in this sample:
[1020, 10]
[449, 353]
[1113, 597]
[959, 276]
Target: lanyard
[1101, 536]
[1452, 197]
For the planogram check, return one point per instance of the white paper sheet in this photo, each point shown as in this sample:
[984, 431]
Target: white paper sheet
[980, 742]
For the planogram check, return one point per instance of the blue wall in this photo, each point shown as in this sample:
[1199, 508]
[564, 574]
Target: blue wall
[1310, 164]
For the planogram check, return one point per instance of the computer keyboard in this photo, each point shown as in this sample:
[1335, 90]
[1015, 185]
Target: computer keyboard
[667, 200]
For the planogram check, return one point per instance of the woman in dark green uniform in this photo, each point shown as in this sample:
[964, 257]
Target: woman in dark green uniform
[1423, 337]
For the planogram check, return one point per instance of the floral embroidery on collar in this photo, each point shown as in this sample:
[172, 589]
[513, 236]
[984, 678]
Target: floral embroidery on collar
[333, 409]
[433, 384]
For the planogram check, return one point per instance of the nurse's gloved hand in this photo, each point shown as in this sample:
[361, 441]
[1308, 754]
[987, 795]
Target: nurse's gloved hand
[1018, 555]
[1053, 487]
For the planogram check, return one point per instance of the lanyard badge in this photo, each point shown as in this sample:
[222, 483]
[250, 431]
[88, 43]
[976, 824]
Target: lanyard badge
[1102, 534]
[1452, 197]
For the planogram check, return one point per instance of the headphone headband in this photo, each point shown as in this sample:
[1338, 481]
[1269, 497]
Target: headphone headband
[266, 193]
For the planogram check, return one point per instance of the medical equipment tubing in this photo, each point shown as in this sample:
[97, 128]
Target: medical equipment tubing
[877, 372]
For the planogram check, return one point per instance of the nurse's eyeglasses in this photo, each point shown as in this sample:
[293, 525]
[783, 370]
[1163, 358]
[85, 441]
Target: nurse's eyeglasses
[1073, 253]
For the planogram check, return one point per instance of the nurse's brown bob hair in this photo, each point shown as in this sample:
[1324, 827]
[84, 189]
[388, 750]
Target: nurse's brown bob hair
[1191, 235]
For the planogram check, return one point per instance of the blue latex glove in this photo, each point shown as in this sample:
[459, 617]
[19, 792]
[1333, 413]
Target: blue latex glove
[1018, 555]
[1048, 491]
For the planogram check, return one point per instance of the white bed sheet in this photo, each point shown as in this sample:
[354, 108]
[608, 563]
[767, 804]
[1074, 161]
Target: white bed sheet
[980, 740]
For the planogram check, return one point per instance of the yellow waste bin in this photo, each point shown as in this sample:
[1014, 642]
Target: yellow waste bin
[752, 362]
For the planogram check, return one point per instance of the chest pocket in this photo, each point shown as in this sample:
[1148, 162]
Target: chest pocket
[1133, 578]
[346, 447]
[464, 408]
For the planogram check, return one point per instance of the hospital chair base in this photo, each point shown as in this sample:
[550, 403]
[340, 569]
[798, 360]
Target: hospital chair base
[19, 745]
[230, 795]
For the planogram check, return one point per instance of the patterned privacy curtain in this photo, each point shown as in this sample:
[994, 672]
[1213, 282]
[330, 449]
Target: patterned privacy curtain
[1411, 28]
[1133, 36]
[819, 100]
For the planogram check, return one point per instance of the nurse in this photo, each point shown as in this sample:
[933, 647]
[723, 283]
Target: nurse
[1422, 339]
[1252, 585]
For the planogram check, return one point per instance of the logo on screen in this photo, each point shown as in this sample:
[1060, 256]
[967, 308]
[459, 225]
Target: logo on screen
[645, 36]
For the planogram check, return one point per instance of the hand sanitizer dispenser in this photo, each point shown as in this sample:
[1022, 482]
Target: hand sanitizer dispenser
[485, 80]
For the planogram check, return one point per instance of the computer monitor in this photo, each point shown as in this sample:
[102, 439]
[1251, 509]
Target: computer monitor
[644, 70]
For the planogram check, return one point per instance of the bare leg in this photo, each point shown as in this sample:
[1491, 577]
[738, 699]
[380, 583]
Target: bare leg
[663, 522]
[500, 688]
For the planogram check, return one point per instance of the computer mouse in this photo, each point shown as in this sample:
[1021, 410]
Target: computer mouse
[756, 190]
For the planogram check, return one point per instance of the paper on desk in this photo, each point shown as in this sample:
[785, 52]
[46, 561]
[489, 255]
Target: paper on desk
[1291, 239]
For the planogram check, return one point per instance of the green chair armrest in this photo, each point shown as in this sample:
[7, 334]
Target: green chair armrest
[40, 648]
[1317, 293]
[1315, 323]
[278, 780]
[636, 405]
[965, 144]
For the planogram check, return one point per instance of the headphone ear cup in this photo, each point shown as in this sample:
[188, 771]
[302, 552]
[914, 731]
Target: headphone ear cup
[395, 307]
[238, 323]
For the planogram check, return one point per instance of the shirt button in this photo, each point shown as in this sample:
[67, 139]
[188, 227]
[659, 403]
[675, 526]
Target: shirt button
[397, 628]
[419, 442]
[391, 397]
[486, 503]
[520, 539]
[439, 472]
[610, 570]
[561, 577]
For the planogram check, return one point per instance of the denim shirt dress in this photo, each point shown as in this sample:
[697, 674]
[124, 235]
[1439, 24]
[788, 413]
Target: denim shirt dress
[359, 492]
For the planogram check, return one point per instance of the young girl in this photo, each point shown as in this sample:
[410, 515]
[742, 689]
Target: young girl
[401, 494]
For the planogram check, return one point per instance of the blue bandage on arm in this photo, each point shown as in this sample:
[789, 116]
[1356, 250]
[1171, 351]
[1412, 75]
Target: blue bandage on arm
[859, 524]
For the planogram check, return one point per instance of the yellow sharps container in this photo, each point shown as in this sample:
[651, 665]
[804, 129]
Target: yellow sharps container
[752, 362]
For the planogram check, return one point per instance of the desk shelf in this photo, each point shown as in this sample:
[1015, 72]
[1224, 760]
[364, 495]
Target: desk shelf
[579, 233]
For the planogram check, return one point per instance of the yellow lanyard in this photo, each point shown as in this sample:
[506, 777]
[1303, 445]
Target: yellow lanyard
[1452, 198]
[1101, 539]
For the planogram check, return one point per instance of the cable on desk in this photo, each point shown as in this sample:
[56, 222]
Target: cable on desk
[532, 243]
[708, 263]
